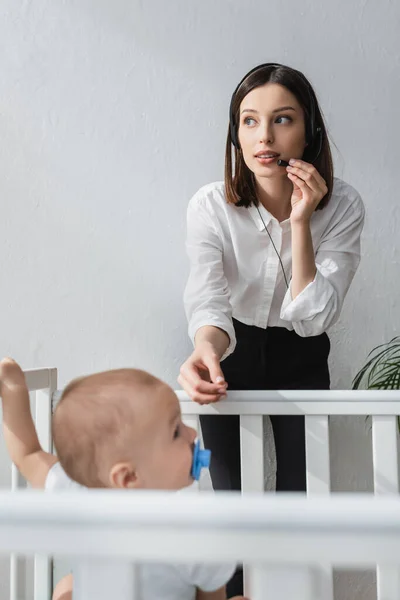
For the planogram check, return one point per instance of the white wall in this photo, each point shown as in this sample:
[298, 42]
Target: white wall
[114, 112]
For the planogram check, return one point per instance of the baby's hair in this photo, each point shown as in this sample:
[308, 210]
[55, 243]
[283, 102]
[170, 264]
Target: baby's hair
[94, 420]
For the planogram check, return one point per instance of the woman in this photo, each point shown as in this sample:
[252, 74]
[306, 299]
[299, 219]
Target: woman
[273, 251]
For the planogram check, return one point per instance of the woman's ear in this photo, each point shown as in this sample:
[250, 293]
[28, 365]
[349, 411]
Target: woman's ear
[123, 476]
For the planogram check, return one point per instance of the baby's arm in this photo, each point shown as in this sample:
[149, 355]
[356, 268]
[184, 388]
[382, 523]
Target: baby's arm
[63, 589]
[19, 429]
[217, 595]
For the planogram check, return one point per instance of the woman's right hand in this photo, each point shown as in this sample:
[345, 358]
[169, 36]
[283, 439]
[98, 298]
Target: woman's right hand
[201, 376]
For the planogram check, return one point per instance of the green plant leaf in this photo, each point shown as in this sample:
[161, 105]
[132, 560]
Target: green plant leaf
[380, 369]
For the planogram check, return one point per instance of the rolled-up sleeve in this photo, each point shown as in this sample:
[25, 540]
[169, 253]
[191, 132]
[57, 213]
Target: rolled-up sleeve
[319, 305]
[207, 294]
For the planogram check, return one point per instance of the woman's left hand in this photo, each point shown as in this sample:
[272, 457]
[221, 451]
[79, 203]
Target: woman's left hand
[308, 190]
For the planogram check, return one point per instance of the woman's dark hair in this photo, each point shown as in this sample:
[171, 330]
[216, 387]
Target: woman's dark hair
[240, 186]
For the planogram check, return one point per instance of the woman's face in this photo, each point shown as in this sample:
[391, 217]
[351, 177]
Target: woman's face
[271, 126]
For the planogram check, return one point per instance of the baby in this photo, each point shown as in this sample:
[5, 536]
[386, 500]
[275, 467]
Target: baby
[117, 429]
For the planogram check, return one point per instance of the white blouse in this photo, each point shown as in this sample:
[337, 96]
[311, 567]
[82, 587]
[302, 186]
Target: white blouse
[235, 271]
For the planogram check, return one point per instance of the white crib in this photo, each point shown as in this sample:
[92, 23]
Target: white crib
[288, 545]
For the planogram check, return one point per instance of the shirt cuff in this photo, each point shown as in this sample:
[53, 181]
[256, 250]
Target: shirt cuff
[310, 302]
[203, 319]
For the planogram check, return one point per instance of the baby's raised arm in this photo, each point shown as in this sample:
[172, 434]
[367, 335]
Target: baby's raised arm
[18, 427]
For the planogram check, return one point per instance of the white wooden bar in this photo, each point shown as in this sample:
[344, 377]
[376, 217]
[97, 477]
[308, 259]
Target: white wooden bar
[104, 578]
[319, 481]
[299, 402]
[346, 530]
[252, 473]
[43, 566]
[282, 582]
[16, 481]
[13, 577]
[252, 453]
[384, 453]
[40, 379]
[317, 454]
[385, 463]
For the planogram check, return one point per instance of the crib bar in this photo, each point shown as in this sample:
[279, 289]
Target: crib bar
[252, 453]
[43, 580]
[39, 379]
[281, 583]
[13, 577]
[299, 402]
[16, 482]
[319, 481]
[387, 582]
[105, 580]
[42, 577]
[385, 463]
[317, 454]
[351, 529]
[252, 469]
[251, 464]
[384, 449]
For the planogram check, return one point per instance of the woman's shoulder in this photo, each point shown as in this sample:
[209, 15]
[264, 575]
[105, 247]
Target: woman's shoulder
[345, 197]
[209, 196]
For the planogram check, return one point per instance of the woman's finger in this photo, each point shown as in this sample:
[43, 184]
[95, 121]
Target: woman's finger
[196, 396]
[214, 368]
[309, 168]
[299, 182]
[190, 373]
[307, 177]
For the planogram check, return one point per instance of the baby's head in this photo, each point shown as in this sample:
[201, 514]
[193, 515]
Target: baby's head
[123, 429]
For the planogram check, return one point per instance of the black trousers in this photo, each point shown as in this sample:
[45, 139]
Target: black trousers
[267, 359]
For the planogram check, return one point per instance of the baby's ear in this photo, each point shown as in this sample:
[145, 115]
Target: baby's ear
[123, 476]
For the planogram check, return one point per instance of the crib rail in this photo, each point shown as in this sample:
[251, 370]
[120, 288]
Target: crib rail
[316, 406]
[284, 539]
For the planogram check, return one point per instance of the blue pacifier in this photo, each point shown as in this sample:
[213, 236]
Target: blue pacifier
[201, 459]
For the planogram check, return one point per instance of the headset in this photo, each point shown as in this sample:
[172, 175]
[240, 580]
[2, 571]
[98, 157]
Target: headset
[314, 135]
[313, 132]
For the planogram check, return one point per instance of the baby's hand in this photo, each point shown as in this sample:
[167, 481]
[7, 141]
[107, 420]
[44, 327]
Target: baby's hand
[11, 374]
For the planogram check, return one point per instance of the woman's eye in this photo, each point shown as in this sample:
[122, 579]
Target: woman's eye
[177, 432]
[249, 121]
[283, 119]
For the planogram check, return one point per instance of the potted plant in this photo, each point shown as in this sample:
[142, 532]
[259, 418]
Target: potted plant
[382, 369]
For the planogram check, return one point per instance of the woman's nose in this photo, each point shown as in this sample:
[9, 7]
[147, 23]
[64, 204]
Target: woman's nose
[266, 134]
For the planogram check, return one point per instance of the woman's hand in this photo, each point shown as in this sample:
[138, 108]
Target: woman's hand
[308, 190]
[201, 376]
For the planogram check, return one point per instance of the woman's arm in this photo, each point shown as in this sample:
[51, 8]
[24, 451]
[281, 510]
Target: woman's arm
[207, 292]
[303, 259]
[214, 337]
[312, 309]
[321, 279]
[308, 190]
[208, 308]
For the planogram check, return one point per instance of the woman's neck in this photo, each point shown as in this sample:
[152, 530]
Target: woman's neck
[274, 194]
